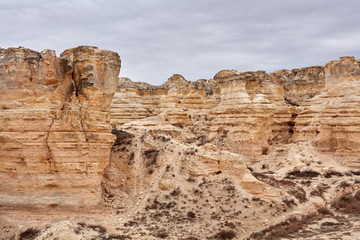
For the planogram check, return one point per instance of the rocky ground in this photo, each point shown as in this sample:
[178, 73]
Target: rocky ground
[166, 196]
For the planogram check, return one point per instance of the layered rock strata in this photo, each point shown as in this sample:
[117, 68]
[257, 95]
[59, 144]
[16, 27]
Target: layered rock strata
[331, 120]
[257, 111]
[56, 134]
[55, 131]
[136, 100]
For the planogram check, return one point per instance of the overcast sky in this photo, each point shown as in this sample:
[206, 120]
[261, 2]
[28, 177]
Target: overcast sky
[195, 38]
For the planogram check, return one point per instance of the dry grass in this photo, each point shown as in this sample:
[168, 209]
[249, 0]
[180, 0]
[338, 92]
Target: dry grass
[348, 203]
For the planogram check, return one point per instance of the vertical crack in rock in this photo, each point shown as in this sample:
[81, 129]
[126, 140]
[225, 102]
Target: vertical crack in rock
[82, 125]
[49, 155]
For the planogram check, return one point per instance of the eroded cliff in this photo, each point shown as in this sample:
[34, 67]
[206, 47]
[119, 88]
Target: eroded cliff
[55, 129]
[229, 155]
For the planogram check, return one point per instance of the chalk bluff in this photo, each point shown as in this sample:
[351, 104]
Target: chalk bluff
[55, 131]
[72, 133]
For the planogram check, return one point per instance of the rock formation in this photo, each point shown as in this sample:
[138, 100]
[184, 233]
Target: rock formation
[55, 131]
[238, 149]
[256, 110]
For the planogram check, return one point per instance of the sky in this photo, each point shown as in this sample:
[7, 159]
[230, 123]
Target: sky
[195, 38]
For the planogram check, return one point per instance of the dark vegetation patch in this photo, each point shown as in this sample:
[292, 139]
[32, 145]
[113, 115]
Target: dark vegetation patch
[333, 173]
[191, 215]
[98, 228]
[294, 190]
[131, 224]
[161, 234]
[176, 192]
[299, 193]
[160, 205]
[122, 137]
[344, 184]
[202, 140]
[290, 202]
[230, 225]
[324, 211]
[319, 190]
[348, 203]
[150, 156]
[302, 174]
[273, 181]
[150, 159]
[190, 179]
[282, 229]
[357, 173]
[225, 234]
[29, 234]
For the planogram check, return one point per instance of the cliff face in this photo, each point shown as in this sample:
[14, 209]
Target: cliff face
[257, 111]
[330, 120]
[56, 114]
[55, 131]
[252, 147]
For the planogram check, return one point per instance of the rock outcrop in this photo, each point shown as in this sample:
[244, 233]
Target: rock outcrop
[238, 149]
[257, 111]
[331, 120]
[55, 132]
[136, 100]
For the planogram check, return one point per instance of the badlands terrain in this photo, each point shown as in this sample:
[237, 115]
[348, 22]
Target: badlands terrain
[85, 154]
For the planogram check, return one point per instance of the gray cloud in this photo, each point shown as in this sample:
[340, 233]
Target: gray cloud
[195, 38]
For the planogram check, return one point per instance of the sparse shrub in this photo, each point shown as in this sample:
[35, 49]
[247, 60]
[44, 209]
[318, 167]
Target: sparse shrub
[307, 183]
[319, 190]
[167, 169]
[225, 234]
[357, 173]
[150, 156]
[273, 181]
[122, 137]
[299, 193]
[190, 179]
[98, 228]
[230, 225]
[191, 215]
[176, 192]
[29, 234]
[347, 204]
[345, 198]
[162, 234]
[131, 224]
[333, 173]
[290, 225]
[289, 203]
[303, 174]
[344, 184]
[324, 211]
[202, 140]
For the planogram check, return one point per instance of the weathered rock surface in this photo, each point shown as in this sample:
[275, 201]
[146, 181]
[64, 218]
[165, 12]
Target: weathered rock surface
[238, 149]
[256, 111]
[330, 121]
[55, 131]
